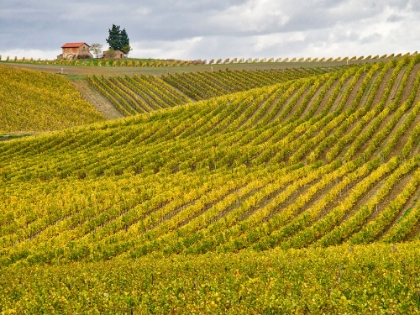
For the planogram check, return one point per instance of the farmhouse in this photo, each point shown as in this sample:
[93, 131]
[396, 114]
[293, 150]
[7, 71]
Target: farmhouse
[113, 54]
[75, 51]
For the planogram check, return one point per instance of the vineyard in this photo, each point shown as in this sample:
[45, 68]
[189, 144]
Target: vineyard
[35, 101]
[132, 95]
[226, 192]
[142, 63]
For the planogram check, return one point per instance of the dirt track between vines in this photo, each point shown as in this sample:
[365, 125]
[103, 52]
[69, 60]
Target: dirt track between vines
[102, 104]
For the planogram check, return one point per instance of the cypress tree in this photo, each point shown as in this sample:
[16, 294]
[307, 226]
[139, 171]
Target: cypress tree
[125, 42]
[114, 38]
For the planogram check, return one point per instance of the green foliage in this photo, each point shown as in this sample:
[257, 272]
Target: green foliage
[282, 198]
[118, 39]
[37, 101]
[125, 42]
[139, 94]
[341, 280]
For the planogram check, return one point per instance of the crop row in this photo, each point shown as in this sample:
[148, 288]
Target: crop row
[215, 133]
[139, 94]
[299, 197]
[172, 63]
[220, 211]
[205, 85]
[379, 278]
[207, 177]
[36, 101]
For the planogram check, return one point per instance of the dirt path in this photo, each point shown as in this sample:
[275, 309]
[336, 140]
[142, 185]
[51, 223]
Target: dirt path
[102, 104]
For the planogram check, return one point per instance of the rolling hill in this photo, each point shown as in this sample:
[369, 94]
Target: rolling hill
[33, 101]
[136, 94]
[294, 197]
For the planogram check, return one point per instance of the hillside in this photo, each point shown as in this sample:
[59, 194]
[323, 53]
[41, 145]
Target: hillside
[136, 94]
[32, 101]
[290, 198]
[206, 85]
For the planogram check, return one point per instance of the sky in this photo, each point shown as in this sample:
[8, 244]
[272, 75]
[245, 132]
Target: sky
[207, 29]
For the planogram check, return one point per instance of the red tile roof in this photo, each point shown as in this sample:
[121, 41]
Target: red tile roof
[73, 45]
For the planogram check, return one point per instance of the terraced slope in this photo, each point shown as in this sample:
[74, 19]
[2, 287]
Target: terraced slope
[142, 94]
[32, 101]
[326, 160]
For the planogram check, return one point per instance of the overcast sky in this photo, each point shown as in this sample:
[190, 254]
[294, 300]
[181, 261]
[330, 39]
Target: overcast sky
[205, 29]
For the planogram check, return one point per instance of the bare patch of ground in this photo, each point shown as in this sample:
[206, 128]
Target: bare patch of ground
[102, 104]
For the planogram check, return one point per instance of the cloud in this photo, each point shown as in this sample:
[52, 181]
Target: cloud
[166, 49]
[251, 17]
[205, 29]
[28, 53]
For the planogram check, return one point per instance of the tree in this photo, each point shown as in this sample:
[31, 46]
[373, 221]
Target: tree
[118, 39]
[125, 42]
[114, 38]
[96, 49]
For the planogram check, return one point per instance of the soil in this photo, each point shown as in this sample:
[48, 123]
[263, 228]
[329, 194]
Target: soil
[102, 104]
[313, 99]
[327, 97]
[353, 93]
[381, 90]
